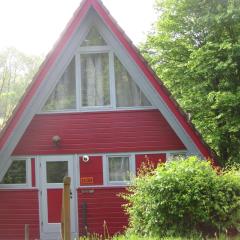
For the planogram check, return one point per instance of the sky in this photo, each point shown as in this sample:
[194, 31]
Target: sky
[33, 26]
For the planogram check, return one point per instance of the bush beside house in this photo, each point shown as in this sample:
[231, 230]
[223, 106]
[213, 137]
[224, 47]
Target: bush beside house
[184, 197]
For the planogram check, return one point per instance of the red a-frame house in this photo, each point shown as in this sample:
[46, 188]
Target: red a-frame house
[95, 111]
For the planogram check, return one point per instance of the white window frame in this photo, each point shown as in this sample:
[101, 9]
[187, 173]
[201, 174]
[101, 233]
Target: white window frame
[94, 50]
[28, 176]
[132, 169]
[112, 83]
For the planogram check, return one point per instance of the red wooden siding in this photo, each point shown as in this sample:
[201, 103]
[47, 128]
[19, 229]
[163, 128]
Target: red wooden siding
[152, 158]
[18, 207]
[91, 172]
[54, 201]
[99, 132]
[103, 204]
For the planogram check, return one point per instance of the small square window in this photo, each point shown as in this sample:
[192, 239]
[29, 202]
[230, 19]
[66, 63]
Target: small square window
[16, 174]
[119, 169]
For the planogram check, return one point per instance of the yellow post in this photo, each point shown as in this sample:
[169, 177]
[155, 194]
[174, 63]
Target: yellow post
[66, 224]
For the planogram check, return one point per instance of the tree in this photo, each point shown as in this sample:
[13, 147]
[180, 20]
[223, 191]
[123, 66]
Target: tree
[16, 72]
[195, 50]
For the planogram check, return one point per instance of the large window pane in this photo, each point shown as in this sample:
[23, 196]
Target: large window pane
[119, 169]
[93, 38]
[56, 171]
[64, 95]
[127, 91]
[16, 174]
[95, 79]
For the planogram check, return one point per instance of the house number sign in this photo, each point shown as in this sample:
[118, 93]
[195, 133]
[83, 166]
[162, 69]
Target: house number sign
[86, 180]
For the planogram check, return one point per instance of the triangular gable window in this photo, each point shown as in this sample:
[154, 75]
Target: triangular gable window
[64, 94]
[128, 94]
[93, 39]
[89, 80]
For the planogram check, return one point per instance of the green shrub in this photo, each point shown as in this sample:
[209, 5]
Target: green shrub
[137, 237]
[183, 197]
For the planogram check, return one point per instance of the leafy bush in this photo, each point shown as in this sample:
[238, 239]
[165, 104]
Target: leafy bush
[137, 237]
[183, 197]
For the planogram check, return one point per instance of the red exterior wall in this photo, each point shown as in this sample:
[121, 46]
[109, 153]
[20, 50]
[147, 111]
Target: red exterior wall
[18, 207]
[102, 204]
[91, 172]
[90, 133]
[99, 132]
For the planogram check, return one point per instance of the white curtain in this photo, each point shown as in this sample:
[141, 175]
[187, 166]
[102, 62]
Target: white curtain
[127, 90]
[94, 67]
[63, 97]
[128, 93]
[119, 169]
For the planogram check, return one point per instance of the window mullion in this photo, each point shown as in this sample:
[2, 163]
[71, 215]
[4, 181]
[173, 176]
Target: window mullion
[112, 80]
[133, 165]
[78, 81]
[28, 172]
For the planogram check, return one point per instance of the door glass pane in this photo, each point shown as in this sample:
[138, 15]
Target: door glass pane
[64, 94]
[95, 79]
[56, 171]
[127, 91]
[119, 169]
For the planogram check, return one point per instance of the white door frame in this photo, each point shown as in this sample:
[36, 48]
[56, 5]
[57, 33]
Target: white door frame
[51, 231]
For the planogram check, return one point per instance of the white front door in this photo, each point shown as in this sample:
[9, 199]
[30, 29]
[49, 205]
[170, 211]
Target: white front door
[52, 171]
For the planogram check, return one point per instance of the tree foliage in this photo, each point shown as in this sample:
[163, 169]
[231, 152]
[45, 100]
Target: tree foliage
[16, 72]
[195, 50]
[183, 197]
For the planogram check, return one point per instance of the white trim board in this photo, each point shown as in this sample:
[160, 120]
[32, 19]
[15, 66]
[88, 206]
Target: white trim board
[52, 230]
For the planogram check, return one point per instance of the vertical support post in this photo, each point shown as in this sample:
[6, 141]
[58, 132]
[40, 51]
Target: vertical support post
[26, 232]
[65, 223]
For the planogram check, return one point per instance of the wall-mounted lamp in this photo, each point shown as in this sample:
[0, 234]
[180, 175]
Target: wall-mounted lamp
[56, 141]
